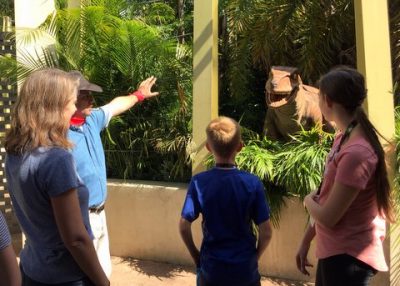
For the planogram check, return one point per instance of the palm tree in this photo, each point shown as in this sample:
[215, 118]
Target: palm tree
[7, 8]
[117, 53]
[394, 13]
[256, 34]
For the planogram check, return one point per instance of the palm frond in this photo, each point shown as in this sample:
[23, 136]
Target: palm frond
[301, 162]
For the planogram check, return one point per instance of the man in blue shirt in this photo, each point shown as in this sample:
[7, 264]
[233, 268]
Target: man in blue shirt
[88, 152]
[230, 201]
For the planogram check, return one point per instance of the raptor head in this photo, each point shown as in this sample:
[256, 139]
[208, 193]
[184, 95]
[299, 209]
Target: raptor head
[281, 82]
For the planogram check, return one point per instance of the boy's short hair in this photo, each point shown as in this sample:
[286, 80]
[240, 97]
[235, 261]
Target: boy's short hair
[223, 135]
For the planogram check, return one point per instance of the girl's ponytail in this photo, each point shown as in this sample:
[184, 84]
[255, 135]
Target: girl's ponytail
[384, 200]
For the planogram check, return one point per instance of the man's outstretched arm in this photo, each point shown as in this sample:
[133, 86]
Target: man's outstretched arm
[121, 104]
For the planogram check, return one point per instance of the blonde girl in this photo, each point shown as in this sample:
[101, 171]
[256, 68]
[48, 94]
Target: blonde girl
[48, 197]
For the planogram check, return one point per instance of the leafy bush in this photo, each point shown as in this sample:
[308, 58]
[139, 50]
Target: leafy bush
[397, 169]
[117, 49]
[292, 169]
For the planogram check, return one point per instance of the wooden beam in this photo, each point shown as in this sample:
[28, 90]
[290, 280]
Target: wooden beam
[374, 62]
[205, 75]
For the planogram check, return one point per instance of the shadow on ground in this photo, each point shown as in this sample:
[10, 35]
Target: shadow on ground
[163, 270]
[285, 282]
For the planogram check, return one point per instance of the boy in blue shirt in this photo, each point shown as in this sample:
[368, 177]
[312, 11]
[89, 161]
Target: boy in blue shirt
[229, 200]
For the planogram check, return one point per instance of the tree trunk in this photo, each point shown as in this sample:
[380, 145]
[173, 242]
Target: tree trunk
[181, 28]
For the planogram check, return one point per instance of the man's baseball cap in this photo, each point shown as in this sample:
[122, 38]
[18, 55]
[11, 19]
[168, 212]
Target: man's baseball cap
[84, 84]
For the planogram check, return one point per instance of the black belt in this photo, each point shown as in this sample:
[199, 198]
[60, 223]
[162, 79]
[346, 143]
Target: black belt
[97, 209]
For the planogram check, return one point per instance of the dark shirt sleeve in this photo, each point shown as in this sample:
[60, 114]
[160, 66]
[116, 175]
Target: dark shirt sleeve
[260, 211]
[5, 238]
[59, 173]
[191, 206]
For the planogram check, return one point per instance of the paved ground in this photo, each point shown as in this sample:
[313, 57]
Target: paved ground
[133, 272]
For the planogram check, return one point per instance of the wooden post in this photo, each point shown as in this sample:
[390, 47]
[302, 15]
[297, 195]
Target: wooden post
[374, 62]
[205, 75]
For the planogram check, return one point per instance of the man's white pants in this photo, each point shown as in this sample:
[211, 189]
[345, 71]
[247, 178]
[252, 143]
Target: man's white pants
[101, 244]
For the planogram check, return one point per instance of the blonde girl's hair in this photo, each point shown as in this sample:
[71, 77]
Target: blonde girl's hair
[37, 117]
[223, 134]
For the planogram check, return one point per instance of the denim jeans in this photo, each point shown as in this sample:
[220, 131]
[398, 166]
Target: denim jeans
[26, 281]
[343, 270]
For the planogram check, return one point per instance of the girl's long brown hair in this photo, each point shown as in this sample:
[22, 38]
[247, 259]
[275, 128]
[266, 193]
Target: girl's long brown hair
[346, 86]
[37, 117]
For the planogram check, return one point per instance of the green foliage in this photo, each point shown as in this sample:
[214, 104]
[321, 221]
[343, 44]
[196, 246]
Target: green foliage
[286, 170]
[301, 162]
[151, 140]
[7, 8]
[395, 227]
[394, 17]
[259, 157]
[117, 43]
[397, 170]
[174, 18]
[159, 14]
[311, 35]
[61, 4]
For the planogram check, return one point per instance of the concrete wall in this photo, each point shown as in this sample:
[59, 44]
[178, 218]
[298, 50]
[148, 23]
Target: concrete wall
[143, 223]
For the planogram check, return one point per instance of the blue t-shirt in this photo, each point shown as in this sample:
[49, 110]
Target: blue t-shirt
[229, 200]
[33, 178]
[89, 156]
[5, 238]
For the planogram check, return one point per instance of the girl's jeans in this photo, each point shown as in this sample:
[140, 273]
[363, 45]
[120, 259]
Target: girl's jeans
[343, 270]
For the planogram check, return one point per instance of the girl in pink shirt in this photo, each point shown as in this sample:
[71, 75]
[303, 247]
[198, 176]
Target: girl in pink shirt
[353, 203]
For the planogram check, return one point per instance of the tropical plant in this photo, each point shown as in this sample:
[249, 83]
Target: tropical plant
[292, 169]
[259, 157]
[174, 17]
[301, 162]
[395, 228]
[7, 8]
[394, 13]
[397, 169]
[116, 43]
[256, 34]
[117, 53]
